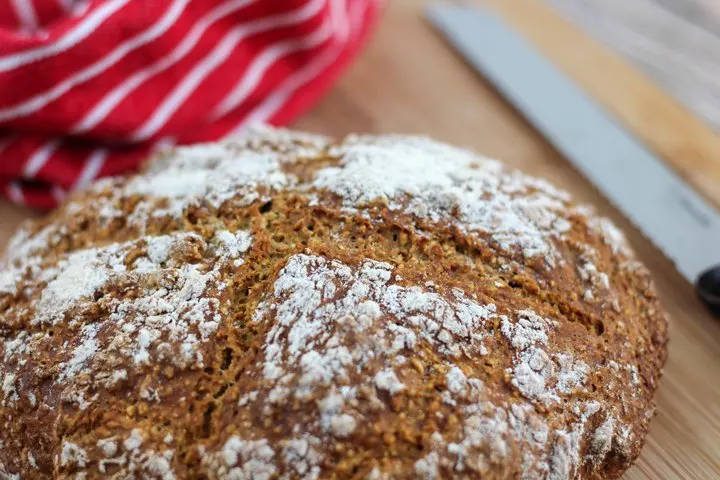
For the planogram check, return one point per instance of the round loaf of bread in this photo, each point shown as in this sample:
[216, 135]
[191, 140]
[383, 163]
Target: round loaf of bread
[283, 306]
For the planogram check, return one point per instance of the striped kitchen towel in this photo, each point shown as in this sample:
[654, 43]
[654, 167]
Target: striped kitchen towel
[89, 88]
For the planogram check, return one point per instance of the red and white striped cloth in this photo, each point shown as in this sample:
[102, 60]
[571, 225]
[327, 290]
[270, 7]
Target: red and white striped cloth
[89, 88]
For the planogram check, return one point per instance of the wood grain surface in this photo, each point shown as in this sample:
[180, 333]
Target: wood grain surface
[676, 42]
[410, 81]
[664, 124]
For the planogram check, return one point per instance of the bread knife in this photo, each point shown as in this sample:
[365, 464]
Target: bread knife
[673, 216]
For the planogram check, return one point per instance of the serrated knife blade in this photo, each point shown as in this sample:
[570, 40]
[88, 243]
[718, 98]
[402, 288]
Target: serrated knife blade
[663, 206]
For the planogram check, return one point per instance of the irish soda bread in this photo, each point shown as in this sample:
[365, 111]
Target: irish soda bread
[281, 306]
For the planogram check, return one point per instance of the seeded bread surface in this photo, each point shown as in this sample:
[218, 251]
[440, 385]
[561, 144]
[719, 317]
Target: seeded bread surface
[284, 306]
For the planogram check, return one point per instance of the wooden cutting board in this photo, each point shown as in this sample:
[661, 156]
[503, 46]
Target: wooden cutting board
[410, 81]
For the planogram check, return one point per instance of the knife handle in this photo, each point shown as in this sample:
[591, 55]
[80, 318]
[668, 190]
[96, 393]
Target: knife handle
[708, 289]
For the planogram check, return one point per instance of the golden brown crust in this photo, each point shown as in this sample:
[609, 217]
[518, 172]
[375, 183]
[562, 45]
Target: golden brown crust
[386, 307]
